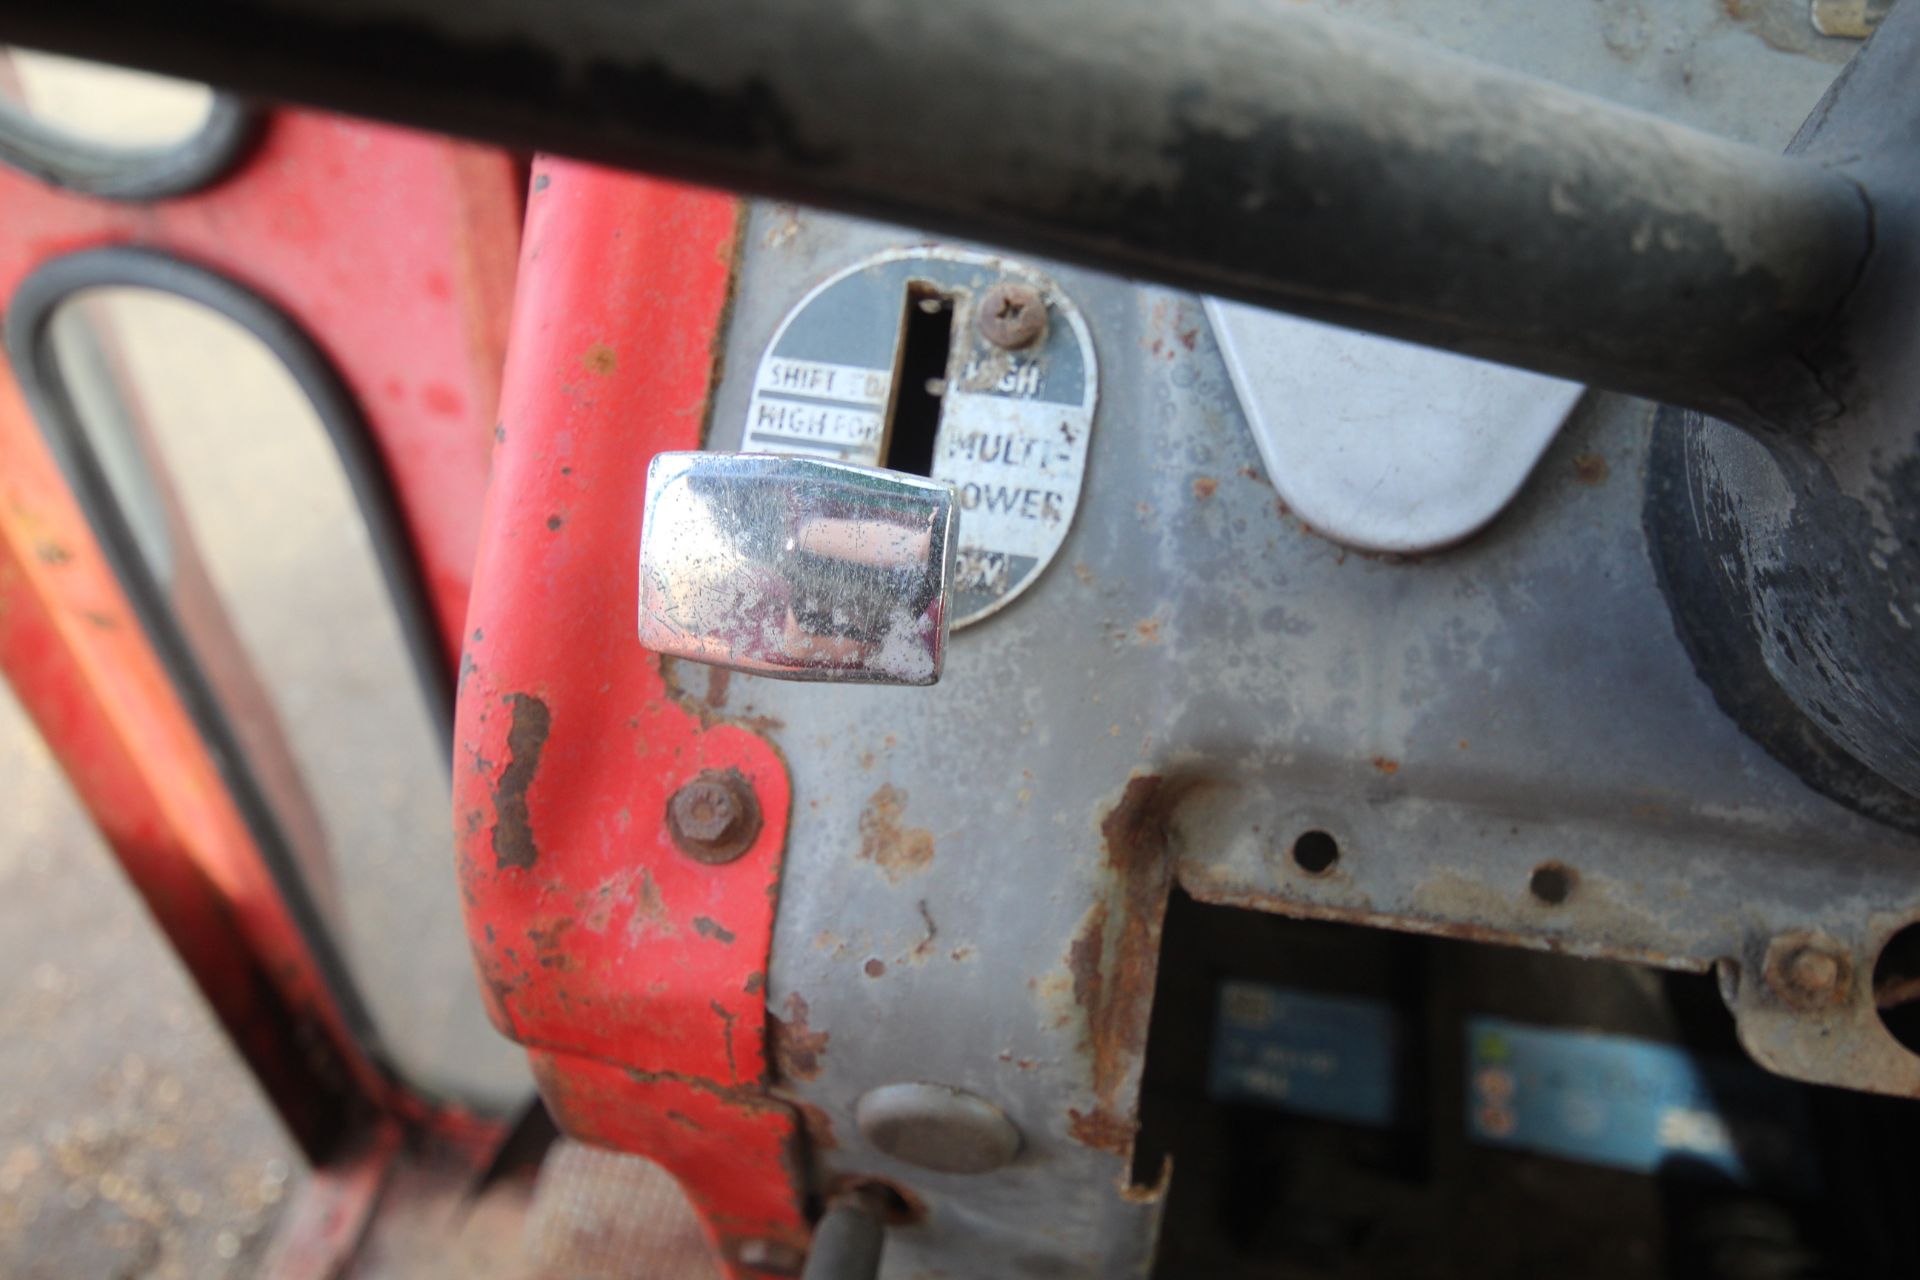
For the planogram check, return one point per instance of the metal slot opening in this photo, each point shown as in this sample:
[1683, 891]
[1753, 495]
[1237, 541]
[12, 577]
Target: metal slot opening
[919, 380]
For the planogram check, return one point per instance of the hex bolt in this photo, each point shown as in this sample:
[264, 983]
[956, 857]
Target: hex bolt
[715, 817]
[1808, 973]
[1813, 973]
[1012, 316]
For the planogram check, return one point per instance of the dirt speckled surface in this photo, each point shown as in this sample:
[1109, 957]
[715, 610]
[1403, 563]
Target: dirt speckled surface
[133, 1143]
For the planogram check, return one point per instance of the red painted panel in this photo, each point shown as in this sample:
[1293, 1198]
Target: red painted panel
[395, 252]
[637, 971]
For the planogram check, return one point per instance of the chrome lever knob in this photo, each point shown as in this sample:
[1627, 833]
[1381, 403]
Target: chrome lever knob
[798, 568]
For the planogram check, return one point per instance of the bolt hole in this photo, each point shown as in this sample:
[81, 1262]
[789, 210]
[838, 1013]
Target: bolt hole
[1896, 986]
[1551, 883]
[1315, 852]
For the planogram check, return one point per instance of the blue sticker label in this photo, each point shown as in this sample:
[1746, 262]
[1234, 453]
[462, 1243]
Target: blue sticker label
[1316, 1055]
[1632, 1104]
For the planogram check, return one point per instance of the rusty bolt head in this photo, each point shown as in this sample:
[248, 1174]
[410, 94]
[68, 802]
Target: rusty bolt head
[715, 817]
[1808, 973]
[1012, 316]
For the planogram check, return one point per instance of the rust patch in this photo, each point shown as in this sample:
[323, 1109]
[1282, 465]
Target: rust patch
[708, 927]
[1102, 1130]
[1114, 955]
[1205, 487]
[875, 968]
[796, 1046]
[1148, 629]
[727, 1018]
[550, 946]
[513, 844]
[598, 906]
[1590, 468]
[718, 678]
[1084, 956]
[600, 360]
[755, 984]
[50, 552]
[898, 850]
[1386, 765]
[819, 1127]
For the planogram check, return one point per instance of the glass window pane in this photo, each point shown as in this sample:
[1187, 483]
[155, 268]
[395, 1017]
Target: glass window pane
[107, 106]
[239, 506]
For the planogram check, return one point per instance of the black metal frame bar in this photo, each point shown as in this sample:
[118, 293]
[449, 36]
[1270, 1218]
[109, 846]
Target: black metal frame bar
[1254, 151]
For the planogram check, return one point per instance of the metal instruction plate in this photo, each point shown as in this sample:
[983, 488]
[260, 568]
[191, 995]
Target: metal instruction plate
[1013, 424]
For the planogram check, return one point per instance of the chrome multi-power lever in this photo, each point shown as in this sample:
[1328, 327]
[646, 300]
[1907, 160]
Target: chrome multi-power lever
[798, 568]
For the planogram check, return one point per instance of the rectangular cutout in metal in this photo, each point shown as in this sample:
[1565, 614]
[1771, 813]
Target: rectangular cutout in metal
[919, 380]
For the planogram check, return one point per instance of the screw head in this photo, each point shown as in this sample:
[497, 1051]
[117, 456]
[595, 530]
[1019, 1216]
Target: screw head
[1808, 973]
[1012, 315]
[715, 817]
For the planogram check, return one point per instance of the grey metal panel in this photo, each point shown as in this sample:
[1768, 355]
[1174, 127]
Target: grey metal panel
[947, 864]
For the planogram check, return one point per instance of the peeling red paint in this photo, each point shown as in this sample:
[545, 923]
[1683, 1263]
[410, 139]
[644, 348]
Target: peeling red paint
[644, 989]
[707, 927]
[513, 844]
